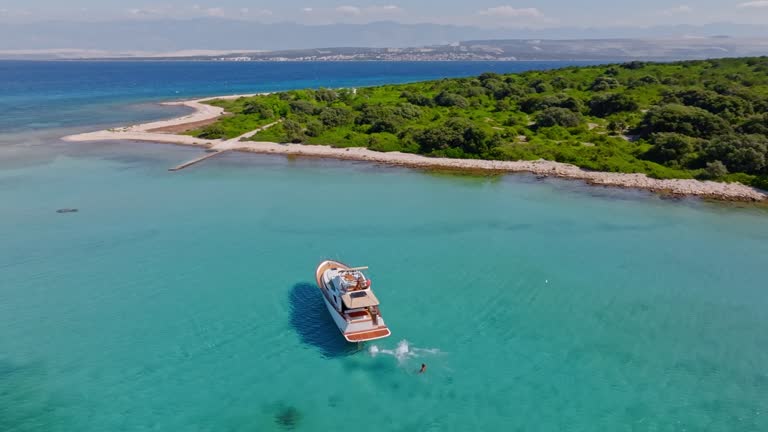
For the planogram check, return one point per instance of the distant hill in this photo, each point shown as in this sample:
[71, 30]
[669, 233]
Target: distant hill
[225, 34]
[522, 49]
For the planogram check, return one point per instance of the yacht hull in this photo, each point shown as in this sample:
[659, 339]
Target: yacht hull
[352, 330]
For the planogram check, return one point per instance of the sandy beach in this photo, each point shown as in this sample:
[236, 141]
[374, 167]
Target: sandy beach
[162, 132]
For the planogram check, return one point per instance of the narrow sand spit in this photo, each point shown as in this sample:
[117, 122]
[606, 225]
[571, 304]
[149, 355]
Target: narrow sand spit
[203, 112]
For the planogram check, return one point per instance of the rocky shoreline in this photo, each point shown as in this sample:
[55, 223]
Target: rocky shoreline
[678, 187]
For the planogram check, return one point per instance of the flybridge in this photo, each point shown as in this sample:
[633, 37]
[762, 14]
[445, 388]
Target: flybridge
[353, 269]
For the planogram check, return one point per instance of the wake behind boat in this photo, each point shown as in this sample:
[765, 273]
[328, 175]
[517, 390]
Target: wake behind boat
[350, 301]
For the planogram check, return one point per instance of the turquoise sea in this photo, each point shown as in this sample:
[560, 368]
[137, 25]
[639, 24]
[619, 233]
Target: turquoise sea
[185, 301]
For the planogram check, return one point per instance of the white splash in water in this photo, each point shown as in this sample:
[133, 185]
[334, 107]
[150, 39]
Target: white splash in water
[402, 352]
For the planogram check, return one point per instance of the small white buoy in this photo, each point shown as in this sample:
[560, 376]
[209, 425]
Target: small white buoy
[546, 281]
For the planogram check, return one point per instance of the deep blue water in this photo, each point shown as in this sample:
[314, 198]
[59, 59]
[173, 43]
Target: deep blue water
[35, 95]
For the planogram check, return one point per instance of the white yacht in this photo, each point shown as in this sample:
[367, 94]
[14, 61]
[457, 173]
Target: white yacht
[350, 301]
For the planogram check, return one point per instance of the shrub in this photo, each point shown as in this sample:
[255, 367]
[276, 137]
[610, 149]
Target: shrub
[259, 108]
[388, 124]
[715, 170]
[691, 121]
[475, 92]
[603, 105]
[739, 153]
[408, 111]
[456, 133]
[369, 113]
[326, 95]
[556, 116]
[561, 83]
[302, 107]
[502, 105]
[644, 81]
[618, 126]
[384, 143]
[727, 106]
[498, 88]
[294, 133]
[541, 86]
[314, 128]
[487, 76]
[755, 125]
[417, 99]
[213, 132]
[634, 65]
[538, 103]
[335, 116]
[447, 99]
[382, 118]
[604, 83]
[672, 149]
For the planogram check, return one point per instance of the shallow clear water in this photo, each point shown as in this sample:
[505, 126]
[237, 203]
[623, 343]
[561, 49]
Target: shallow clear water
[184, 301]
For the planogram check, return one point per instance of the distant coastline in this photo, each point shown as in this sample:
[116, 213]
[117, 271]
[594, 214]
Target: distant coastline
[158, 132]
[539, 48]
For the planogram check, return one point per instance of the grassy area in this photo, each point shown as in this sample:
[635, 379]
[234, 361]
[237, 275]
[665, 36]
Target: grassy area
[702, 119]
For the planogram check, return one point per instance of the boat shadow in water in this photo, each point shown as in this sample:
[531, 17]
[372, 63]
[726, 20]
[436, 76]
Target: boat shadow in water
[314, 325]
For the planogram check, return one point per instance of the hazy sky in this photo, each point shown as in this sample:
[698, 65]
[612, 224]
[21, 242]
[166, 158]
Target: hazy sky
[529, 13]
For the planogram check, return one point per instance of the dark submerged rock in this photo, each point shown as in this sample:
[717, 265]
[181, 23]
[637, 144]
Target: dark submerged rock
[287, 417]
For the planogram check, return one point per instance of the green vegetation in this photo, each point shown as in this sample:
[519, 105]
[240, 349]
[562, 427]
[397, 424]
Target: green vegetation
[702, 119]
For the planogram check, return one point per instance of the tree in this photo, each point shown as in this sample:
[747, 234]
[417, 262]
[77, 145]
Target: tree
[739, 153]
[335, 116]
[672, 149]
[456, 133]
[314, 128]
[503, 105]
[260, 109]
[326, 95]
[730, 107]
[390, 123]
[690, 121]
[757, 124]
[498, 88]
[437, 138]
[382, 118]
[294, 133]
[603, 105]
[417, 99]
[556, 116]
[634, 65]
[541, 86]
[604, 83]
[408, 111]
[561, 83]
[302, 107]
[475, 92]
[487, 76]
[448, 99]
[537, 103]
[644, 81]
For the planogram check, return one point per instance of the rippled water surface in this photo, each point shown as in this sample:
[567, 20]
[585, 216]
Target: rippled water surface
[185, 301]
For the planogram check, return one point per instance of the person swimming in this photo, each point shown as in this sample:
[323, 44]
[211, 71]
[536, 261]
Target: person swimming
[423, 368]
